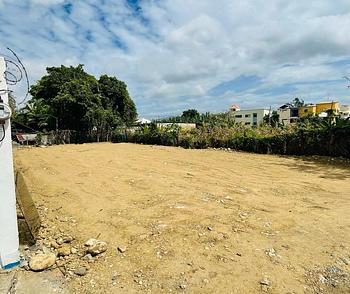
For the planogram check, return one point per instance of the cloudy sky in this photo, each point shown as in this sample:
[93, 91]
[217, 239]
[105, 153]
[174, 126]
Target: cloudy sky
[180, 54]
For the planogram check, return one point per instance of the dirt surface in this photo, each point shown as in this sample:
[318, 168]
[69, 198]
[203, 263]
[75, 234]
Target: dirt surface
[18, 281]
[198, 221]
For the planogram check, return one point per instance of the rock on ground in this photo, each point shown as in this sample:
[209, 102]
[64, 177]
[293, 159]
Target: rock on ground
[64, 250]
[95, 247]
[42, 261]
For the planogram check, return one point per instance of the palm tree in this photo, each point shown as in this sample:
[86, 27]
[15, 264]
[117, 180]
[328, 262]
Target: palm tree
[36, 114]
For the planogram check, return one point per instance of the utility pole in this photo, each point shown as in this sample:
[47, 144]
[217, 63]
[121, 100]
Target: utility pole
[9, 241]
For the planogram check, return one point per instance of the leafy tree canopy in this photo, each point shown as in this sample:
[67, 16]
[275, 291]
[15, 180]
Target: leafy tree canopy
[297, 102]
[190, 115]
[78, 101]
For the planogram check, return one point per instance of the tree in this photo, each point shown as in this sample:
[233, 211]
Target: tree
[73, 102]
[81, 102]
[48, 87]
[297, 102]
[190, 116]
[35, 115]
[115, 96]
[273, 119]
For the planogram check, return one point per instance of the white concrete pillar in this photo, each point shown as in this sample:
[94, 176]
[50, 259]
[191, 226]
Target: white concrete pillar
[9, 241]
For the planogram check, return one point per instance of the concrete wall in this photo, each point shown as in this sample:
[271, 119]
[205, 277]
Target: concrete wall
[8, 217]
[284, 116]
[185, 126]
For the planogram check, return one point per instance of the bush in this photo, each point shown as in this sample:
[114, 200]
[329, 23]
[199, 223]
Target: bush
[313, 137]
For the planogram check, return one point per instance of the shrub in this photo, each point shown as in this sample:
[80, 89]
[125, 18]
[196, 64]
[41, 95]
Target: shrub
[311, 137]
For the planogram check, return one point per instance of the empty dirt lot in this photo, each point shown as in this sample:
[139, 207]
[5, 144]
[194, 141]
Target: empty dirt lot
[198, 221]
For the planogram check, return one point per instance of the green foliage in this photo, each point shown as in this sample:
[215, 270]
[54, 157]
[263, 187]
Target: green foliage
[297, 102]
[35, 115]
[313, 137]
[78, 102]
[272, 120]
[190, 116]
[115, 96]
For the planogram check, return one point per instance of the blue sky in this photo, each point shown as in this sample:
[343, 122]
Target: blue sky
[180, 54]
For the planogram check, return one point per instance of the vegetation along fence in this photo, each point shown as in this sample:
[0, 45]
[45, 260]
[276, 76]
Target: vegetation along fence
[326, 137]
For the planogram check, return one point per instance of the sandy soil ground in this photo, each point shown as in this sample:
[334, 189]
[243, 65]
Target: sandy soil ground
[198, 221]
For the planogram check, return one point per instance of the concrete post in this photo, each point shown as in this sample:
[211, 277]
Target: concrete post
[9, 241]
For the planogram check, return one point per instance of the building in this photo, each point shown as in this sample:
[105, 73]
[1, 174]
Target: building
[143, 121]
[323, 108]
[251, 117]
[344, 111]
[287, 114]
[307, 110]
[234, 107]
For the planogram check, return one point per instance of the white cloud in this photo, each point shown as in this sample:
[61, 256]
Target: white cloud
[177, 50]
[47, 2]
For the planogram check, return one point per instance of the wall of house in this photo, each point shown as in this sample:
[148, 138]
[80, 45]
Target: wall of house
[324, 106]
[251, 117]
[309, 110]
[284, 116]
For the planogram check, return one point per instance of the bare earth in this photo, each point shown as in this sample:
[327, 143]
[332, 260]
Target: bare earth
[198, 221]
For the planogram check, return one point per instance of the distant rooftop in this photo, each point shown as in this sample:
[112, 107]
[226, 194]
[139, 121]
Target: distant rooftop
[327, 102]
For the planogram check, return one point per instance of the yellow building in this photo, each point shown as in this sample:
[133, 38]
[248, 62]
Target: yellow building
[318, 108]
[307, 110]
[326, 106]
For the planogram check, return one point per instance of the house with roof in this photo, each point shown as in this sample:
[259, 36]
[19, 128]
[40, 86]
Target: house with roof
[324, 108]
[288, 114]
[321, 109]
[249, 117]
[234, 107]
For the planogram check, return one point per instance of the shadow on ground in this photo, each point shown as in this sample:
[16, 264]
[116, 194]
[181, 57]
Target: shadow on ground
[326, 167]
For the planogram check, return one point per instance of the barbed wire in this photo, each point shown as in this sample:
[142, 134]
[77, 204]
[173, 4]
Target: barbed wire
[348, 79]
[12, 72]
[15, 72]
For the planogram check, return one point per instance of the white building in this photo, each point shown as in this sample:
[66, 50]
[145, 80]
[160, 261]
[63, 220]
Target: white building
[344, 111]
[287, 114]
[251, 117]
[143, 121]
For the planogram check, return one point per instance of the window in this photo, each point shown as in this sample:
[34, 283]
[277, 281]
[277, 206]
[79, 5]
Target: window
[305, 110]
[294, 112]
[255, 123]
[247, 123]
[238, 115]
[247, 115]
[255, 115]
